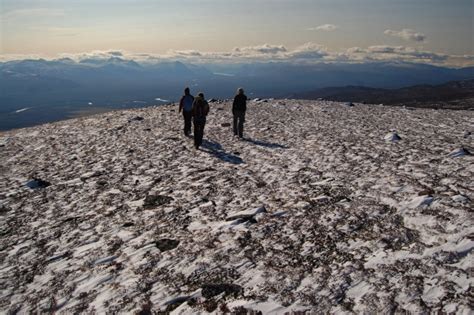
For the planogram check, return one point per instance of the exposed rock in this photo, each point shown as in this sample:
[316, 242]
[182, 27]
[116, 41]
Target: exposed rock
[153, 201]
[136, 118]
[211, 290]
[37, 183]
[165, 244]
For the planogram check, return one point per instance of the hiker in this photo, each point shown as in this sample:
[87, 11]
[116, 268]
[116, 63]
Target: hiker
[200, 110]
[186, 105]
[238, 111]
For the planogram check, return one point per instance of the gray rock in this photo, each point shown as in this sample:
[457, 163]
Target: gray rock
[246, 214]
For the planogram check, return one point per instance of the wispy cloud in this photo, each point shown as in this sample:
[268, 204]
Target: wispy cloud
[407, 34]
[36, 12]
[59, 31]
[324, 27]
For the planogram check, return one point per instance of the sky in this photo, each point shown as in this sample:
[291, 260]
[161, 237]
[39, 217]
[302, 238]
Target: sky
[258, 28]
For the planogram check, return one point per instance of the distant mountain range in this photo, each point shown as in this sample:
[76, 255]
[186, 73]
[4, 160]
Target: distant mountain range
[451, 95]
[37, 91]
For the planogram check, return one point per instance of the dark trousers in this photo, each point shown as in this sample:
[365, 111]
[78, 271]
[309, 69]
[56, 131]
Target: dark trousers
[239, 118]
[188, 115]
[199, 124]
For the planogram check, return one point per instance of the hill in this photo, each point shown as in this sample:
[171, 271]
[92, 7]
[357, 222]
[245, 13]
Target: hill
[322, 208]
[450, 95]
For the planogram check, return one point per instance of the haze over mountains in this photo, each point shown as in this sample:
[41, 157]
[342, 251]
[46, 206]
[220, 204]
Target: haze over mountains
[36, 91]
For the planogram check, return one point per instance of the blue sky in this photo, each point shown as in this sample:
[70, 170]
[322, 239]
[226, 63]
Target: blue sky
[53, 27]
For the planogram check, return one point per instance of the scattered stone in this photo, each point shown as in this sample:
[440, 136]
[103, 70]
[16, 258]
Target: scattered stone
[58, 257]
[421, 201]
[349, 104]
[4, 141]
[426, 192]
[459, 153]
[460, 198]
[104, 260]
[37, 183]
[4, 208]
[246, 214]
[165, 244]
[177, 300]
[212, 100]
[101, 182]
[90, 175]
[70, 219]
[467, 134]
[392, 137]
[153, 201]
[136, 118]
[322, 198]
[211, 290]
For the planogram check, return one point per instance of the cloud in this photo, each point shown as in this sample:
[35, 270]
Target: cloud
[396, 53]
[305, 54]
[324, 27]
[407, 34]
[37, 12]
[185, 53]
[308, 51]
[262, 49]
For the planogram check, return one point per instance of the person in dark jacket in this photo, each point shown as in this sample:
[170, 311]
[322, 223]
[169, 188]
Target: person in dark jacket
[200, 110]
[238, 111]
[186, 105]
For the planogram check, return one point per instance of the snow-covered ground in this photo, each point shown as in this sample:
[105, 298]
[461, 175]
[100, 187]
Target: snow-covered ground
[323, 207]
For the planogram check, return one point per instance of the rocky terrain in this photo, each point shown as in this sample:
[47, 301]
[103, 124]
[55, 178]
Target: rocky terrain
[323, 207]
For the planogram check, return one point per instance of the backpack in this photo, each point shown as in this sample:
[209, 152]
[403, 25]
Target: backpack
[188, 103]
[200, 108]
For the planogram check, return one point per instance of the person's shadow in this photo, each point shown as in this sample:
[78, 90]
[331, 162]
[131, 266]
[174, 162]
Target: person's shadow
[266, 144]
[216, 149]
